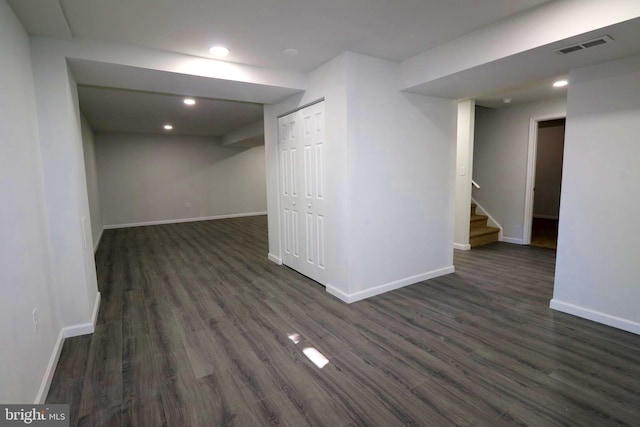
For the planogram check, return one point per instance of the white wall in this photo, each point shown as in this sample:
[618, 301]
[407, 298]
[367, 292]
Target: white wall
[400, 176]
[252, 134]
[390, 158]
[500, 160]
[89, 149]
[597, 271]
[151, 178]
[548, 185]
[328, 81]
[25, 269]
[65, 190]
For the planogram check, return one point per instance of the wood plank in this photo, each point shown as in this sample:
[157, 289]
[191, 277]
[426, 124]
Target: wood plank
[195, 322]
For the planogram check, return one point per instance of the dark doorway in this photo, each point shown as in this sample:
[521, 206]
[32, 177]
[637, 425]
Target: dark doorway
[548, 183]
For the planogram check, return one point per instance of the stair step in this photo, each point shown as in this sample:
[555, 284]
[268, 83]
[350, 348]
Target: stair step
[479, 232]
[483, 231]
[478, 221]
[483, 235]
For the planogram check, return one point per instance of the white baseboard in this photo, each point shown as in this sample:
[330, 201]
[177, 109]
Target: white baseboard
[67, 332]
[596, 316]
[339, 294]
[96, 309]
[51, 368]
[84, 328]
[179, 220]
[511, 240]
[78, 330]
[97, 242]
[367, 293]
[462, 246]
[274, 258]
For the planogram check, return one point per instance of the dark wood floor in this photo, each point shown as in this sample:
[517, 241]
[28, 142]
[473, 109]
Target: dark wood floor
[194, 330]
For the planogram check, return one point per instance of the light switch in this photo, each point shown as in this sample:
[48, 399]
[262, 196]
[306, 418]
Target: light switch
[463, 170]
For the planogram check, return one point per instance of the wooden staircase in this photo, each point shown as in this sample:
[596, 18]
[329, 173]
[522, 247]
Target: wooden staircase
[479, 232]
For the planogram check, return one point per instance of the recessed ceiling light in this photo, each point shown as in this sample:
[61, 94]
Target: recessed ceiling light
[507, 100]
[560, 83]
[219, 51]
[189, 101]
[290, 52]
[168, 127]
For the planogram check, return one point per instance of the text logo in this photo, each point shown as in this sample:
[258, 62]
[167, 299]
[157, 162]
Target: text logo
[36, 415]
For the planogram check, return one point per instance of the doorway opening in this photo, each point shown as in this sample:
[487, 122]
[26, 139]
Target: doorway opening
[545, 163]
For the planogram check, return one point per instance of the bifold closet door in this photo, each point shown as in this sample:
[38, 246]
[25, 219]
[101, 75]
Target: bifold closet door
[302, 191]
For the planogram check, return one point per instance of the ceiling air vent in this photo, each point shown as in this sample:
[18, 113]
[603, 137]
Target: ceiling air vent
[584, 45]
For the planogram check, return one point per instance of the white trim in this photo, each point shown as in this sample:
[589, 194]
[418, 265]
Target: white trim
[302, 107]
[84, 328]
[596, 316]
[530, 180]
[51, 368]
[462, 246]
[67, 332]
[278, 237]
[542, 216]
[274, 258]
[357, 296]
[531, 171]
[97, 242]
[492, 220]
[96, 308]
[339, 294]
[78, 330]
[463, 170]
[511, 240]
[83, 225]
[179, 220]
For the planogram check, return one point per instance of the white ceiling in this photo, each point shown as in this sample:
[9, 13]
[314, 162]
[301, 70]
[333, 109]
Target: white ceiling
[538, 68]
[535, 91]
[117, 110]
[258, 31]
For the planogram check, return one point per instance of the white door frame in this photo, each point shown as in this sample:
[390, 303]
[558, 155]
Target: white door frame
[531, 171]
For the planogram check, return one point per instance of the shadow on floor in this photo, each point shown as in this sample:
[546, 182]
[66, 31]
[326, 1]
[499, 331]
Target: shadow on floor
[544, 233]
